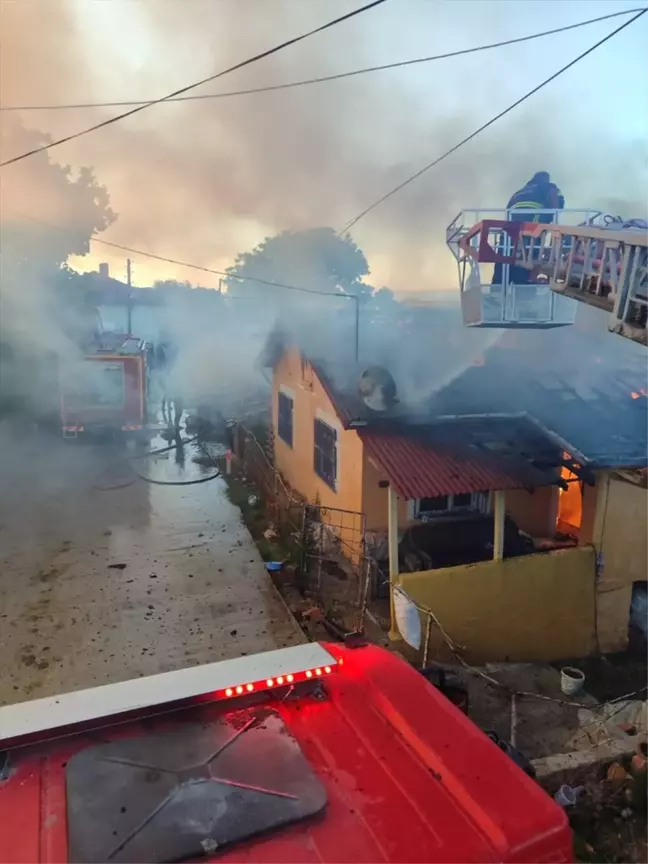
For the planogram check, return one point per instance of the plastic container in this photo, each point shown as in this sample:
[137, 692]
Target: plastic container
[571, 680]
[567, 796]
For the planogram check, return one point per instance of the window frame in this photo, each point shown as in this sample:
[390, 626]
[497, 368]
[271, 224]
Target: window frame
[332, 483]
[289, 396]
[480, 502]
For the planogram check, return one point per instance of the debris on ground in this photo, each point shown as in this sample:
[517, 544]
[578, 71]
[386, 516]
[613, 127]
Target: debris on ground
[609, 818]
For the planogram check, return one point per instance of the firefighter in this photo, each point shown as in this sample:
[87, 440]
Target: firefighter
[538, 194]
[172, 403]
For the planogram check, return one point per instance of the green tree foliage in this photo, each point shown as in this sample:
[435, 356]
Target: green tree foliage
[40, 188]
[317, 259]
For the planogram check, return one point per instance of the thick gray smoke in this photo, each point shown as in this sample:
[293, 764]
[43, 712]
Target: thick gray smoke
[205, 180]
[42, 318]
[201, 181]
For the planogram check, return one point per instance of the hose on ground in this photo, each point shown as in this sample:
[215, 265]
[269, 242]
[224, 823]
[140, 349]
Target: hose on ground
[130, 459]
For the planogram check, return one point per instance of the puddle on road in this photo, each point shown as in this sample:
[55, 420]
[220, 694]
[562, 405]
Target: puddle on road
[187, 463]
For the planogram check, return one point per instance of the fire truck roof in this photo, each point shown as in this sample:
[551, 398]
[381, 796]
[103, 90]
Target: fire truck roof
[367, 763]
[117, 343]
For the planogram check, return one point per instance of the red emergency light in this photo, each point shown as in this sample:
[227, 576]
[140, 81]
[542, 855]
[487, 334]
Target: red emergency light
[280, 681]
[223, 680]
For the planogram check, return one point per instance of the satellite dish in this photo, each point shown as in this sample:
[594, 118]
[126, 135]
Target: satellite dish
[377, 389]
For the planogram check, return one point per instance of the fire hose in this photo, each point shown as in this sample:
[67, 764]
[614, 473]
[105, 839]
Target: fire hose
[138, 476]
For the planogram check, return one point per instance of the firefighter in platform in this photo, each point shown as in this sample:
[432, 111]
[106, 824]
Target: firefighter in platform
[540, 194]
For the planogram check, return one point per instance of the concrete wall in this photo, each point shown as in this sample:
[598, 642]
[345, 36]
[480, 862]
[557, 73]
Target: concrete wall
[534, 512]
[621, 536]
[538, 607]
[295, 463]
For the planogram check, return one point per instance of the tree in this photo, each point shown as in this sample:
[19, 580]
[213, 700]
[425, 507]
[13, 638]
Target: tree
[172, 286]
[72, 206]
[42, 312]
[317, 259]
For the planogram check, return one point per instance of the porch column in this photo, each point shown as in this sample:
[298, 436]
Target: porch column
[498, 521]
[392, 542]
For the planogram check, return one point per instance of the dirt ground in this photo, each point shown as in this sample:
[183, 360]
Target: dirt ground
[100, 585]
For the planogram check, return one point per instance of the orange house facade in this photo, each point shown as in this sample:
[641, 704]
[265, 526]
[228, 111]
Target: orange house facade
[314, 453]
[504, 604]
[345, 468]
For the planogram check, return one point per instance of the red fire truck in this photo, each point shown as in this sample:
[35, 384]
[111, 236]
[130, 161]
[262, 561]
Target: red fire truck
[107, 389]
[319, 752]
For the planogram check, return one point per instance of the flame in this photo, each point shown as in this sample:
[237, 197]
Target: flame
[638, 394]
[570, 506]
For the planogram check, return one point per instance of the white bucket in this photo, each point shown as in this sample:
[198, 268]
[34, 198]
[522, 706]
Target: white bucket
[571, 680]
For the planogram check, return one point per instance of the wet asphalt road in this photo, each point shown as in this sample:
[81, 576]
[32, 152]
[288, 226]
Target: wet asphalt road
[102, 586]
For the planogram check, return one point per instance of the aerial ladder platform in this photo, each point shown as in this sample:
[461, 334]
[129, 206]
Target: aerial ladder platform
[527, 271]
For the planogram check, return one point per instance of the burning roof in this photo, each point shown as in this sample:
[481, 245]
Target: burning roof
[577, 389]
[594, 402]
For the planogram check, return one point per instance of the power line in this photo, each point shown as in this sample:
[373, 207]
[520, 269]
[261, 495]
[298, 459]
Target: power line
[474, 134]
[325, 78]
[97, 239]
[182, 90]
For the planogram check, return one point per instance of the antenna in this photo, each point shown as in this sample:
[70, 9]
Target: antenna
[377, 389]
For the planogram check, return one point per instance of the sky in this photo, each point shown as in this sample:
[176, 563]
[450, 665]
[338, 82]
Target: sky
[204, 181]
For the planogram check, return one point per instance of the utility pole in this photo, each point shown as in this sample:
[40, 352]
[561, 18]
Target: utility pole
[357, 327]
[130, 296]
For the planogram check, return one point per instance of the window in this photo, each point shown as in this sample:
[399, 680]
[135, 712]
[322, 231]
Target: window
[325, 455]
[285, 418]
[463, 501]
[96, 384]
[441, 504]
[445, 505]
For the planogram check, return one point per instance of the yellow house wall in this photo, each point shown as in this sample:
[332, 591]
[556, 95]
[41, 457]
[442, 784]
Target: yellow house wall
[375, 498]
[534, 608]
[621, 536]
[534, 512]
[295, 463]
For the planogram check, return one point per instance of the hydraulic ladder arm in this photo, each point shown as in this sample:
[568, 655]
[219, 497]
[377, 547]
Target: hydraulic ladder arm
[600, 263]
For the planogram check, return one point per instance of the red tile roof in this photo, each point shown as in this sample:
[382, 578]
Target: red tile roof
[418, 471]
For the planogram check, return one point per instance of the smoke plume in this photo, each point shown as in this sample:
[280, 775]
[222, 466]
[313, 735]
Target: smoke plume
[202, 181]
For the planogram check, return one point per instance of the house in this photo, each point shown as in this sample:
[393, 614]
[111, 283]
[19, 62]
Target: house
[327, 451]
[589, 391]
[465, 510]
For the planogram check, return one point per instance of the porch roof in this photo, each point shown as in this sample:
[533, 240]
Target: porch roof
[417, 470]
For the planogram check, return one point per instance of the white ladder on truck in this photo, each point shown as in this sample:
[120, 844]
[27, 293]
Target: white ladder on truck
[602, 267]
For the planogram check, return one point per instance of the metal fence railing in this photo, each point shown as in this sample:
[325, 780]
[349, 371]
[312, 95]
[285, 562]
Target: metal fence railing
[327, 545]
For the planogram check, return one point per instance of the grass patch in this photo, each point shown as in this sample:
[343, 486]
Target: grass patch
[254, 516]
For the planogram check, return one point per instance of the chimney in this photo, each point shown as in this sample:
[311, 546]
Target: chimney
[104, 270]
